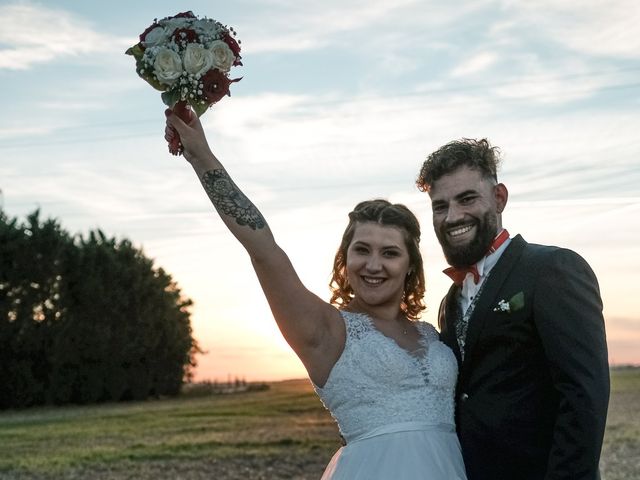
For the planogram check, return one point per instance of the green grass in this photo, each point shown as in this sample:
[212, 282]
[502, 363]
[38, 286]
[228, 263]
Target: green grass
[283, 432]
[625, 379]
[51, 442]
[621, 451]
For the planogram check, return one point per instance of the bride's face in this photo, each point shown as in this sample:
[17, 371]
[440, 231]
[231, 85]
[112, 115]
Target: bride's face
[377, 263]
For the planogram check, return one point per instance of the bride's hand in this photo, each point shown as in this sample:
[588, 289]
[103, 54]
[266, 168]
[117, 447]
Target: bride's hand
[191, 135]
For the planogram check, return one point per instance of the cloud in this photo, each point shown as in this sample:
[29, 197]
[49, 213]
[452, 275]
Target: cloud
[33, 33]
[540, 85]
[547, 51]
[294, 25]
[299, 26]
[477, 63]
[29, 131]
[592, 27]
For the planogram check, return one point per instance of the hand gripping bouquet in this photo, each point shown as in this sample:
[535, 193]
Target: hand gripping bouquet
[188, 59]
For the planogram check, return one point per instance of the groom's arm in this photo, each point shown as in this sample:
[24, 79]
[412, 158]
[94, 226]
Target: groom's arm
[568, 315]
[446, 314]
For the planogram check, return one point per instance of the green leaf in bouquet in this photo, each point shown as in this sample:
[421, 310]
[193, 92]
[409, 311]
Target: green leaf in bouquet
[137, 51]
[199, 108]
[170, 98]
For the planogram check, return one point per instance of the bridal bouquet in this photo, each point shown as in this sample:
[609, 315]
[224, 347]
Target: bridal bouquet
[188, 59]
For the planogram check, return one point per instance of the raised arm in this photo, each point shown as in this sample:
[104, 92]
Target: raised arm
[312, 327]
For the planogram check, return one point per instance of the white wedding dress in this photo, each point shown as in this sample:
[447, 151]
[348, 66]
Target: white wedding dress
[394, 408]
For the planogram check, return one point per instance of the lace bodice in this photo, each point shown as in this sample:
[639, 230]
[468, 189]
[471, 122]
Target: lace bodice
[375, 382]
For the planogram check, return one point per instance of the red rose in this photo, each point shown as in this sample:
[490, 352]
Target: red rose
[215, 85]
[190, 36]
[234, 46]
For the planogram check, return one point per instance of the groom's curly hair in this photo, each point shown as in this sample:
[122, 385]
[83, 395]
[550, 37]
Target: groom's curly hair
[387, 214]
[476, 154]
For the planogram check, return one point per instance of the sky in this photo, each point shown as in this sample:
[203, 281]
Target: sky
[340, 101]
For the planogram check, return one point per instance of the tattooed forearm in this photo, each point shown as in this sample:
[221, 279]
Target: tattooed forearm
[228, 199]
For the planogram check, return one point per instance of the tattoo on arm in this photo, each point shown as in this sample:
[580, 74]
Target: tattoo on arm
[228, 198]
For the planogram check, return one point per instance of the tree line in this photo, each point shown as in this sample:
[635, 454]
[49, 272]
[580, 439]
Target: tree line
[86, 319]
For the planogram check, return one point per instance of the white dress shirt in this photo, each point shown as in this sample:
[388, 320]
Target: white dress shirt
[469, 288]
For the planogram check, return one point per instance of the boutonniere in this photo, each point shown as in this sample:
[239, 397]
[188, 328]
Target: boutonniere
[514, 304]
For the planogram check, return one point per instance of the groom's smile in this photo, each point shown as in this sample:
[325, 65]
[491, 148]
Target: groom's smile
[461, 234]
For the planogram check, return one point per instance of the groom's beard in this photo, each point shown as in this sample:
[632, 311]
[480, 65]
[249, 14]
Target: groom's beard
[472, 252]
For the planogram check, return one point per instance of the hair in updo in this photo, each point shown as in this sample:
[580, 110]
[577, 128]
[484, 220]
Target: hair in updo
[387, 214]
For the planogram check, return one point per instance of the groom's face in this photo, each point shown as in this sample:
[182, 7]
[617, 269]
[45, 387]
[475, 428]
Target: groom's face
[466, 214]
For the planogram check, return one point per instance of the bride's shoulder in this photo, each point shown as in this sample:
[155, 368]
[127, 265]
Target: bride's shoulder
[427, 329]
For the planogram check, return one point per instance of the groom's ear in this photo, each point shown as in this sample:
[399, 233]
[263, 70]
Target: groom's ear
[501, 195]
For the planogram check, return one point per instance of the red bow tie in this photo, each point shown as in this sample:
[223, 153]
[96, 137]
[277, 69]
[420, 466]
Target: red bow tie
[458, 274]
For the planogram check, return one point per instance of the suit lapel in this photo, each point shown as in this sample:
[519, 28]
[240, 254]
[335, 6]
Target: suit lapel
[490, 291]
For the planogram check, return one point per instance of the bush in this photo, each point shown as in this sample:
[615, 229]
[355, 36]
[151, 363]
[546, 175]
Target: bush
[85, 320]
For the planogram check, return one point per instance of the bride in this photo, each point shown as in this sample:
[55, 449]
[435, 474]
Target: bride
[383, 375]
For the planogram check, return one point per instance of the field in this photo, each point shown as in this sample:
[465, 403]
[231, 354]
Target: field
[621, 451]
[279, 433]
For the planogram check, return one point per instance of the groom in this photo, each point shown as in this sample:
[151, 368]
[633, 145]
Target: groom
[525, 322]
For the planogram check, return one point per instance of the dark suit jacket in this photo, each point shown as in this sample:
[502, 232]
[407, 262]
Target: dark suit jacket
[533, 389]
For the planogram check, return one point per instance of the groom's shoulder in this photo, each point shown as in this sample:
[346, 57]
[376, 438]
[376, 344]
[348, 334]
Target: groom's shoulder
[541, 249]
[542, 252]
[533, 249]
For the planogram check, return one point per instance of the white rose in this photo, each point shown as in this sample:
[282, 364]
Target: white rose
[206, 26]
[167, 66]
[177, 23]
[223, 57]
[197, 60]
[155, 37]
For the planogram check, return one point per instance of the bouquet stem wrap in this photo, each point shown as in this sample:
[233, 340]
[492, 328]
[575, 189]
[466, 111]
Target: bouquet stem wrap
[185, 114]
